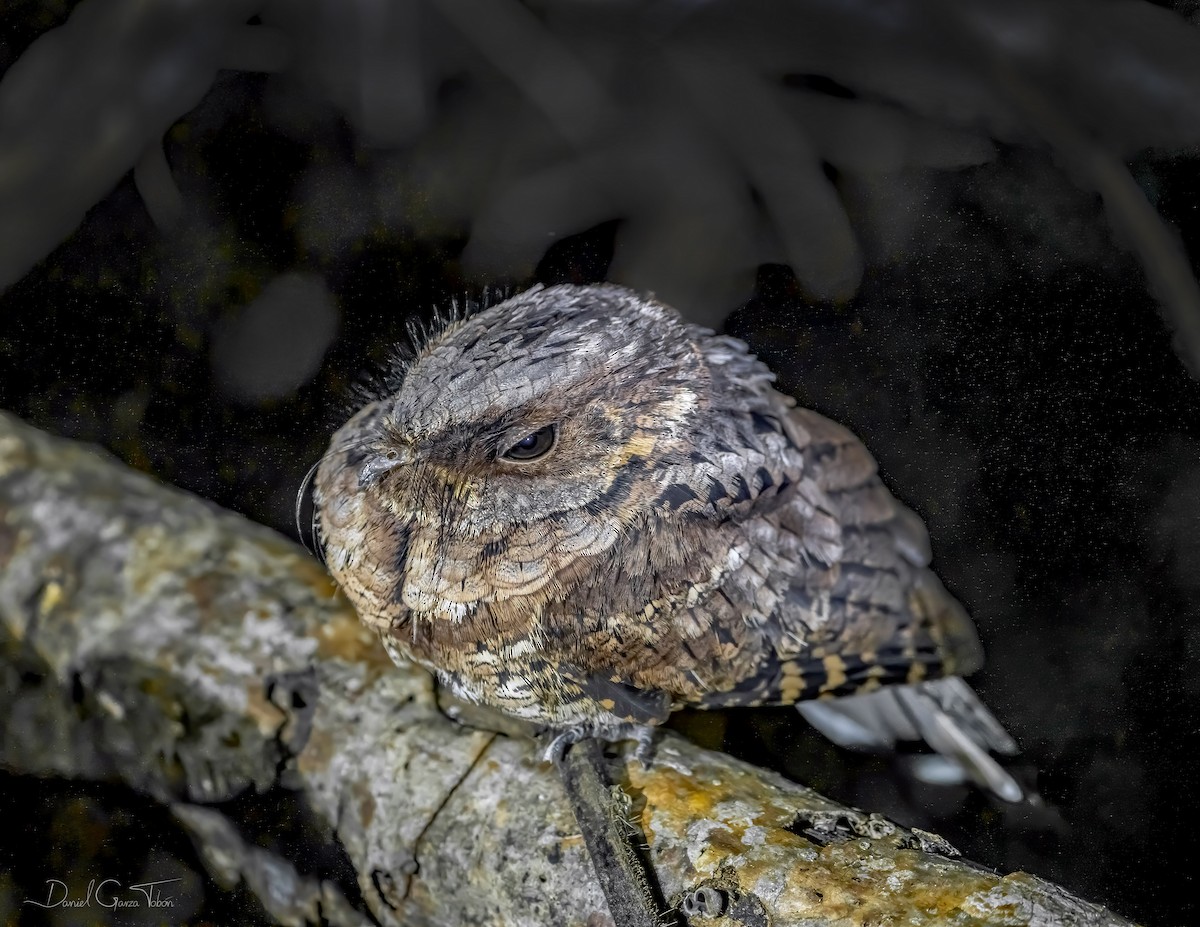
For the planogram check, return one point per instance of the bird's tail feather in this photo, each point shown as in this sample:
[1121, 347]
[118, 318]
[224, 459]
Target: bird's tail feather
[944, 713]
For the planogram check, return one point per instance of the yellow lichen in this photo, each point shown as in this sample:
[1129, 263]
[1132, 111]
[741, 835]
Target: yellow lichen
[851, 880]
[266, 715]
[345, 638]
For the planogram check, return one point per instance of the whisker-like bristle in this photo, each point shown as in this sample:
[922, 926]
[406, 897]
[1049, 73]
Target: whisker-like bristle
[317, 549]
[385, 378]
[318, 542]
[305, 484]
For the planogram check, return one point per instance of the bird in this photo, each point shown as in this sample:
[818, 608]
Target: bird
[578, 508]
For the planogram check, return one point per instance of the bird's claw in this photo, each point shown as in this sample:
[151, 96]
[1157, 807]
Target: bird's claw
[558, 743]
[647, 742]
[643, 734]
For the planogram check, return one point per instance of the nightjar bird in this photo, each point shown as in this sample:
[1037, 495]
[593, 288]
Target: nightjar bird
[581, 510]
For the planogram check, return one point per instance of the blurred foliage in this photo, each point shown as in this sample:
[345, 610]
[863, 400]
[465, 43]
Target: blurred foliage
[857, 183]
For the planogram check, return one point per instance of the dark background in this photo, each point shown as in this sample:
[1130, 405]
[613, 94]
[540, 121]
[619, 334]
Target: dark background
[1001, 353]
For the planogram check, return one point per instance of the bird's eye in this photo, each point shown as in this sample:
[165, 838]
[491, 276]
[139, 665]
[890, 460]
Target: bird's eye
[533, 446]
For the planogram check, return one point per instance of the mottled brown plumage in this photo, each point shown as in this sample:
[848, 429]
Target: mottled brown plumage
[583, 511]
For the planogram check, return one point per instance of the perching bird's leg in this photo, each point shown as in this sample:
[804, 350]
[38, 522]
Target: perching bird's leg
[647, 742]
[558, 742]
[633, 897]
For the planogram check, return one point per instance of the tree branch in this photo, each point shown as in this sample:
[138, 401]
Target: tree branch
[147, 636]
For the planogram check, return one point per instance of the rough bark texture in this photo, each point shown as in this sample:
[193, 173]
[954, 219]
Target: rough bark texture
[149, 637]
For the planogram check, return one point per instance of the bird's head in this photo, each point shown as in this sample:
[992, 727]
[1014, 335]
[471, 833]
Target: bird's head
[522, 445]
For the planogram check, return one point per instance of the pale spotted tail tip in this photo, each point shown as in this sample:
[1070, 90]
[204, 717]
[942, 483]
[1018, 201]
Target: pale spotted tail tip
[936, 769]
[944, 713]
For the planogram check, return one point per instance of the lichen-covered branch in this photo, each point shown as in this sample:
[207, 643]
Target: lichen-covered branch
[149, 637]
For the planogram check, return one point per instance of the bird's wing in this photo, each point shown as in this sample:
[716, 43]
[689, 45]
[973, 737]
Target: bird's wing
[837, 577]
[862, 615]
[878, 578]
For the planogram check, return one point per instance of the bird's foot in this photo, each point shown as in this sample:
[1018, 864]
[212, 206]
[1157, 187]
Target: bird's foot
[558, 741]
[647, 743]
